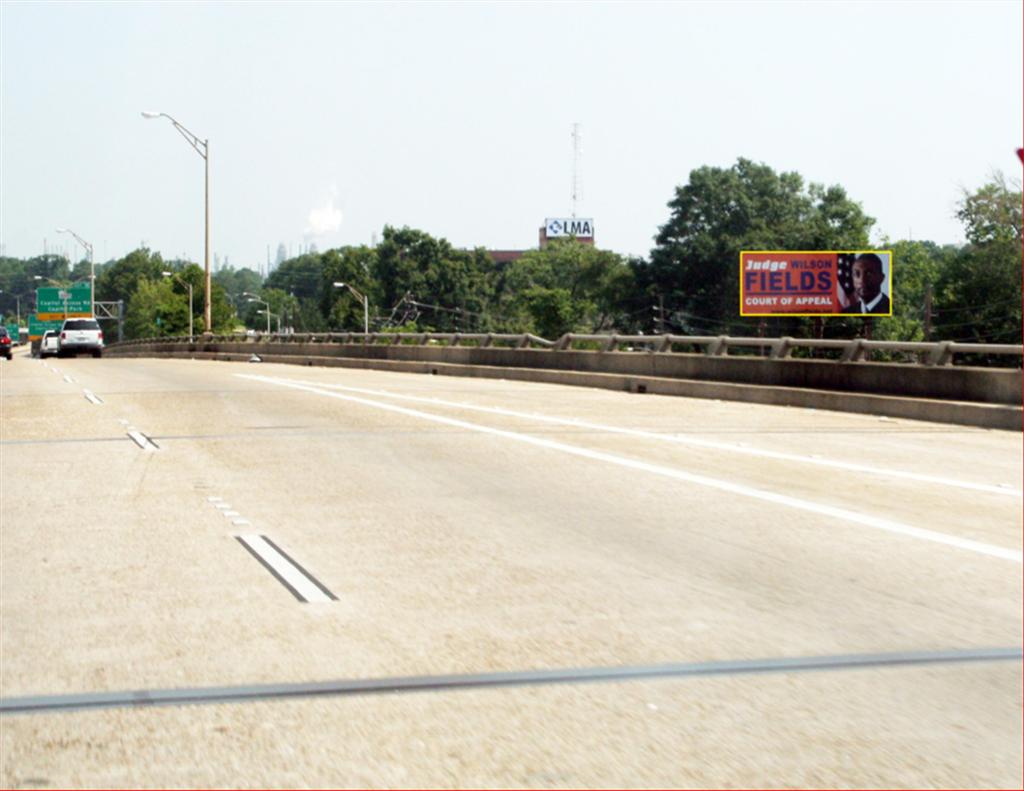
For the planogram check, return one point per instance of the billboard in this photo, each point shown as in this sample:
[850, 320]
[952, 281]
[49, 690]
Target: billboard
[564, 227]
[816, 283]
[57, 303]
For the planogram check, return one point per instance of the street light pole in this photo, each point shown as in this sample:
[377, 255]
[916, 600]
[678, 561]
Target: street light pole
[366, 305]
[276, 316]
[202, 148]
[92, 268]
[189, 287]
[254, 298]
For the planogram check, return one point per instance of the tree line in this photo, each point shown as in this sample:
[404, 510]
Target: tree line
[687, 285]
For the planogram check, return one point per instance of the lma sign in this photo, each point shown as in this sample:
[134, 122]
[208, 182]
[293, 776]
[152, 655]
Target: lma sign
[555, 227]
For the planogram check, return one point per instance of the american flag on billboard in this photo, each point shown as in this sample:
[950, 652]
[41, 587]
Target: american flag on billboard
[844, 268]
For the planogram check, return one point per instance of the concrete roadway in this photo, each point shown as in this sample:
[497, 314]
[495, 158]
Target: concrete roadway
[532, 534]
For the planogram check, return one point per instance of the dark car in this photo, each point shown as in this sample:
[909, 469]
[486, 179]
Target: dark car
[5, 343]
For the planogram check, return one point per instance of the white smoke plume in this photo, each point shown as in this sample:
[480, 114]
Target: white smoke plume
[324, 219]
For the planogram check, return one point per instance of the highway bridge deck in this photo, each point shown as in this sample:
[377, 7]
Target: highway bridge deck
[224, 528]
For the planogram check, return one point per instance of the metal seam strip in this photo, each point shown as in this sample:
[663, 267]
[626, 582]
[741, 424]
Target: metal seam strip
[238, 694]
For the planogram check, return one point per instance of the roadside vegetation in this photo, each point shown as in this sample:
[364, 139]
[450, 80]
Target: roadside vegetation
[687, 284]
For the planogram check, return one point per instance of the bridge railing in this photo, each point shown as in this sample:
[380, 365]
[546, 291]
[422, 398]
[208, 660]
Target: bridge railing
[844, 351]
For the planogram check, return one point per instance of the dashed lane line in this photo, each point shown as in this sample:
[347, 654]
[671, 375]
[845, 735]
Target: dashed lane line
[303, 585]
[142, 440]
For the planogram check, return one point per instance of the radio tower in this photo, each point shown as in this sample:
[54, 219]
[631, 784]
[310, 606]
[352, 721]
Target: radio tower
[577, 179]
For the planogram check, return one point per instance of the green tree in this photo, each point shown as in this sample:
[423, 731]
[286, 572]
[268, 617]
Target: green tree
[120, 280]
[235, 282]
[353, 266]
[979, 291]
[567, 286]
[720, 212]
[453, 287]
[917, 266]
[155, 310]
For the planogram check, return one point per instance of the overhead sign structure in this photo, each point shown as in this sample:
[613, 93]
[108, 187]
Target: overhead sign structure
[37, 326]
[60, 303]
[816, 283]
[561, 227]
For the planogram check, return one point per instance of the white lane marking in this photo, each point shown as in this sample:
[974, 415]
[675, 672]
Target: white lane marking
[222, 506]
[122, 421]
[702, 480]
[141, 440]
[299, 581]
[230, 514]
[214, 499]
[683, 439]
[92, 397]
[68, 379]
[241, 522]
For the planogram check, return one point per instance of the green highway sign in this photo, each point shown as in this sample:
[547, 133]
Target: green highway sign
[12, 330]
[53, 303]
[37, 326]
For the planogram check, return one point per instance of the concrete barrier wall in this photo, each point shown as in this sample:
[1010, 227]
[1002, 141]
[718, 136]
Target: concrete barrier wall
[971, 396]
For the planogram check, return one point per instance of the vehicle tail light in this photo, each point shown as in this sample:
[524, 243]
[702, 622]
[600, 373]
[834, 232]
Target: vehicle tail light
[101, 335]
[63, 335]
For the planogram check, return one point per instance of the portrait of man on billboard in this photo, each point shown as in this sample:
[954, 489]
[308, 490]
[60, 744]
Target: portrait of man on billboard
[863, 282]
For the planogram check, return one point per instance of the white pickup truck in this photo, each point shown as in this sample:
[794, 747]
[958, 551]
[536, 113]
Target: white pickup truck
[81, 335]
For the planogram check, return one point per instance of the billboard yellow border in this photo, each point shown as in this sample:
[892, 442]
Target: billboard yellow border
[814, 315]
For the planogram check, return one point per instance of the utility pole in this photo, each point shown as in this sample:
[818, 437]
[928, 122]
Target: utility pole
[576, 178]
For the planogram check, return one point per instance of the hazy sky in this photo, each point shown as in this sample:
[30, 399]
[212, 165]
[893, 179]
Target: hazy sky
[327, 121]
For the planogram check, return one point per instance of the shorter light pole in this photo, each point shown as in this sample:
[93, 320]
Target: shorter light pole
[254, 298]
[366, 305]
[189, 287]
[276, 316]
[92, 268]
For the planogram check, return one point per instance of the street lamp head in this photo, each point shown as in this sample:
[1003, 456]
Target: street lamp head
[37, 277]
[150, 114]
[62, 230]
[339, 285]
[166, 274]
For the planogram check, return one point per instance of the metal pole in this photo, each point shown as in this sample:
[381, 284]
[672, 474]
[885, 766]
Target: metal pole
[928, 312]
[92, 283]
[366, 315]
[268, 319]
[190, 336]
[207, 311]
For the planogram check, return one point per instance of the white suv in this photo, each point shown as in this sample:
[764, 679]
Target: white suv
[81, 335]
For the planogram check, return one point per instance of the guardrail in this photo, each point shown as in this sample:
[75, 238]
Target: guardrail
[940, 353]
